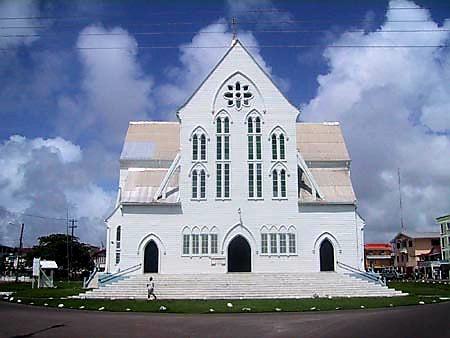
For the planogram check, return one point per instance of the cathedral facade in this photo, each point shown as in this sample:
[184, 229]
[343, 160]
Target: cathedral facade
[235, 185]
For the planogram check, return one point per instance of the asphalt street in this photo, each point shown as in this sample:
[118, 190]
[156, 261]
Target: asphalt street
[414, 321]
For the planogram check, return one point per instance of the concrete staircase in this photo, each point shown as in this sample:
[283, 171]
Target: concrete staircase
[242, 285]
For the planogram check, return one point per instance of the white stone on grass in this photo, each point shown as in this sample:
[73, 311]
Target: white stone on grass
[277, 309]
[11, 299]
[162, 308]
[45, 304]
[101, 308]
[229, 305]
[391, 305]
[127, 309]
[31, 303]
[329, 297]
[421, 302]
[362, 307]
[81, 307]
[246, 309]
[338, 308]
[212, 310]
[60, 305]
[19, 301]
[313, 308]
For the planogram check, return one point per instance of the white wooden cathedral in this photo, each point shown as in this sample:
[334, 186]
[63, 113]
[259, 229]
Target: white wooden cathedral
[235, 185]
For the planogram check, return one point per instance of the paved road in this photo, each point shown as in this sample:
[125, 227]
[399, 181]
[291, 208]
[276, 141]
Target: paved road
[414, 321]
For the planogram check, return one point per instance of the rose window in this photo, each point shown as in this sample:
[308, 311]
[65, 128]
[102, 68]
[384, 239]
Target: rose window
[238, 95]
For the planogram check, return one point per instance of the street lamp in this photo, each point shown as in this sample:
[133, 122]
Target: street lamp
[20, 248]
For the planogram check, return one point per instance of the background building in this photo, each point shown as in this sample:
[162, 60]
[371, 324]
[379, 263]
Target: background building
[378, 256]
[444, 222]
[408, 246]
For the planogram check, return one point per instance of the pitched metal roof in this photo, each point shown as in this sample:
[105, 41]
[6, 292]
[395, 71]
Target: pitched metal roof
[141, 186]
[334, 184]
[321, 142]
[151, 141]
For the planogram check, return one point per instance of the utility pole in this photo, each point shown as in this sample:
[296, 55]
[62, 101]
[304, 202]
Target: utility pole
[400, 200]
[19, 252]
[67, 244]
[72, 226]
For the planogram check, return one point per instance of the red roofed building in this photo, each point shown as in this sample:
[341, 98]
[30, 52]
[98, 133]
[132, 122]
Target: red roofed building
[377, 256]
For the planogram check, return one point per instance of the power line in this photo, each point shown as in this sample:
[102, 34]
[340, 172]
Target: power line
[221, 32]
[31, 215]
[258, 10]
[118, 48]
[174, 23]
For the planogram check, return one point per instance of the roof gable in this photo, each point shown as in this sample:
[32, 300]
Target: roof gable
[236, 47]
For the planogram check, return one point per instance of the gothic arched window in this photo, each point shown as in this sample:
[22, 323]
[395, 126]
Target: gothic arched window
[278, 140]
[279, 182]
[223, 156]
[199, 144]
[198, 184]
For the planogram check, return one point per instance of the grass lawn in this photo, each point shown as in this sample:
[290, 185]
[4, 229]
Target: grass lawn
[422, 288]
[52, 297]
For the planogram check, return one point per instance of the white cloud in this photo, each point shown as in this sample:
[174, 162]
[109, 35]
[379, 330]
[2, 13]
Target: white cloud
[394, 108]
[114, 88]
[46, 177]
[12, 27]
[196, 63]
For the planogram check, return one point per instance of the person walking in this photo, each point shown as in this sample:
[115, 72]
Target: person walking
[151, 289]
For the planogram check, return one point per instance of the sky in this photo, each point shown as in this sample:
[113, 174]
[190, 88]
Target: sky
[66, 97]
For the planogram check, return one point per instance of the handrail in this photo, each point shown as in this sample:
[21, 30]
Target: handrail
[89, 279]
[361, 273]
[120, 273]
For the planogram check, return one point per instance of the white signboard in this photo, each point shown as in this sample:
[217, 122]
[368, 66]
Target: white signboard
[36, 266]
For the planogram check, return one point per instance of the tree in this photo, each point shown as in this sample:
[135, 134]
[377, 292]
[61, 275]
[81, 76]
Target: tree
[54, 247]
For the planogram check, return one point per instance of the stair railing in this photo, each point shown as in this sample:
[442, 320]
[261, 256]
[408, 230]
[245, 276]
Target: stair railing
[118, 274]
[89, 279]
[371, 277]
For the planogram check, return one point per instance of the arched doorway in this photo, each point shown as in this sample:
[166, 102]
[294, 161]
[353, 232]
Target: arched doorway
[326, 256]
[151, 257]
[239, 255]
